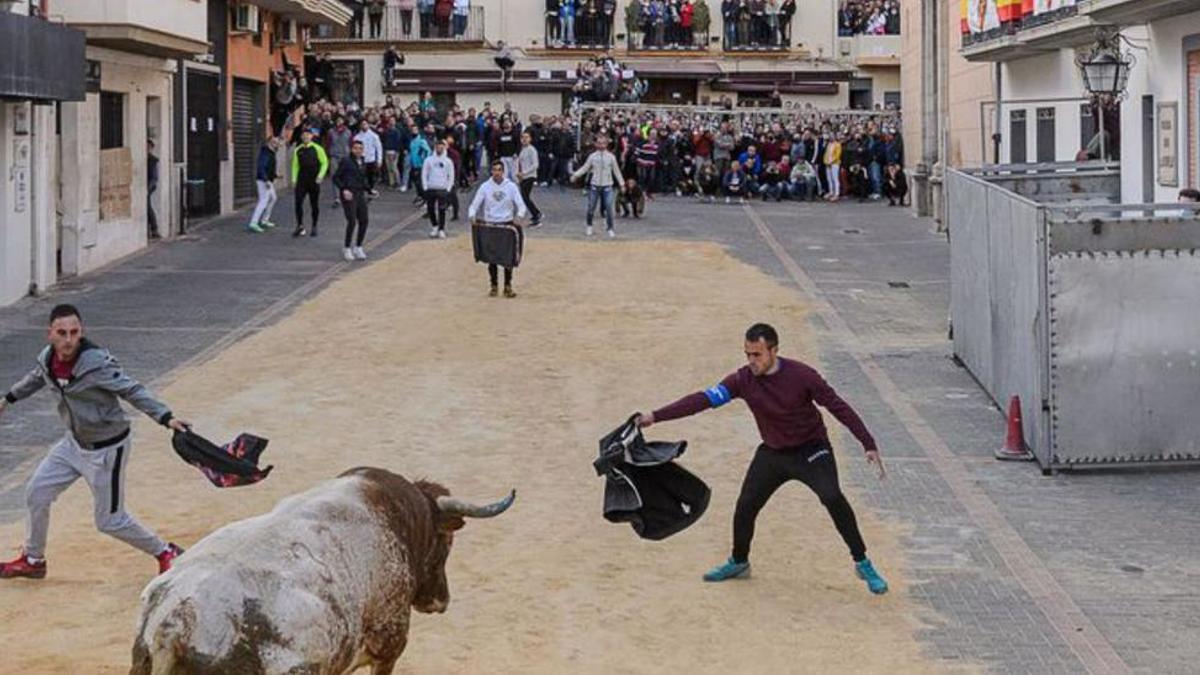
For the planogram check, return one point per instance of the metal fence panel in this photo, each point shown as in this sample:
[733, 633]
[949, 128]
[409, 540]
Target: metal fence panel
[996, 295]
[1125, 357]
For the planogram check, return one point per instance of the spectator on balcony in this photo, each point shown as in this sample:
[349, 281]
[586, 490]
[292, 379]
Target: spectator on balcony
[687, 13]
[358, 7]
[671, 23]
[608, 10]
[743, 18]
[375, 17]
[406, 16]
[771, 10]
[658, 14]
[553, 24]
[442, 9]
[462, 8]
[588, 17]
[787, 10]
[566, 13]
[425, 16]
[729, 16]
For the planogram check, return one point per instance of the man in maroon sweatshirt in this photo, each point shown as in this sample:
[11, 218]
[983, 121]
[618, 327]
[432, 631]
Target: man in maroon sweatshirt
[782, 395]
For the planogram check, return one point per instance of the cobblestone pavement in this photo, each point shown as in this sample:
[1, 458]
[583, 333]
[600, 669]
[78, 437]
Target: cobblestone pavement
[1020, 572]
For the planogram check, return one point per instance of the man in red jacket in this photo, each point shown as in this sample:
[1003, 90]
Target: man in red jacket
[782, 395]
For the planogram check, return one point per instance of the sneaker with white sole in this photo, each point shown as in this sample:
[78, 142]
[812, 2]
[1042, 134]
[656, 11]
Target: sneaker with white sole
[588, 231]
[612, 234]
[441, 234]
[727, 200]
[348, 254]
[359, 253]
[433, 233]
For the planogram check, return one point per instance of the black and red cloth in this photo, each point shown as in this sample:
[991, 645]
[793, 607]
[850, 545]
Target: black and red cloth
[229, 465]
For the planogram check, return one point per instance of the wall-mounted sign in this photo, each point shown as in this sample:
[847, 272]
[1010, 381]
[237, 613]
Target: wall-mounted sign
[93, 77]
[1168, 139]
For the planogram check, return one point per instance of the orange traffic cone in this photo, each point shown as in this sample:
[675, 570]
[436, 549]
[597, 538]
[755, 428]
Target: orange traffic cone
[1014, 442]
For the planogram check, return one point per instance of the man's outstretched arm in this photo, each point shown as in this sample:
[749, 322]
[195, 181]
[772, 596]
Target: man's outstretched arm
[713, 397]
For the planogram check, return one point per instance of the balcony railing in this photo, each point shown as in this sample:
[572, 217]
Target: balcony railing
[758, 34]
[578, 32]
[690, 40]
[404, 25]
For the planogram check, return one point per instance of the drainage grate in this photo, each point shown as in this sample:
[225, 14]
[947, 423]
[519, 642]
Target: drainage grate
[899, 284]
[852, 230]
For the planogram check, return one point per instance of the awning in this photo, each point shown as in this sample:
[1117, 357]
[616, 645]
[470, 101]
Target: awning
[40, 60]
[682, 69]
[822, 88]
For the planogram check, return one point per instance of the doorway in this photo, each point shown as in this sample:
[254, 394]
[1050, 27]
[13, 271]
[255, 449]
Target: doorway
[248, 132]
[203, 189]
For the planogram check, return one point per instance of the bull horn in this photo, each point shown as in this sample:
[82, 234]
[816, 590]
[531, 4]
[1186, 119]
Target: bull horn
[456, 507]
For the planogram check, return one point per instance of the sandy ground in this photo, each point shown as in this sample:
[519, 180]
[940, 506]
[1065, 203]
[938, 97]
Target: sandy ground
[407, 365]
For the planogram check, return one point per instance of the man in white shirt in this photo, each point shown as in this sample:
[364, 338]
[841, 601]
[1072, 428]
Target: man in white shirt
[527, 171]
[501, 202]
[372, 154]
[437, 179]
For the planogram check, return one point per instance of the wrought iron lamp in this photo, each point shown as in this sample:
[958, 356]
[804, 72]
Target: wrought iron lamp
[1105, 71]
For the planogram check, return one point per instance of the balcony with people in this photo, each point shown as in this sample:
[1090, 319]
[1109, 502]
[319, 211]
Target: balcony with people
[757, 25]
[667, 25]
[580, 24]
[406, 21]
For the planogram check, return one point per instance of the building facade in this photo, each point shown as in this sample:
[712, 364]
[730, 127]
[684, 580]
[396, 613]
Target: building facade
[1045, 113]
[810, 58]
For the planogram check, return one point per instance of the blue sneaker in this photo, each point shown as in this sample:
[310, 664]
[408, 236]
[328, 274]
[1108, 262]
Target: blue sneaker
[728, 570]
[866, 572]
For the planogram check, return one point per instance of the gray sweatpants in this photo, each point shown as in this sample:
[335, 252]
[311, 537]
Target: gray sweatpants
[104, 471]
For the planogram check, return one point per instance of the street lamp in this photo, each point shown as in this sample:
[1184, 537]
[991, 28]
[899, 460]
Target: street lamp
[1105, 71]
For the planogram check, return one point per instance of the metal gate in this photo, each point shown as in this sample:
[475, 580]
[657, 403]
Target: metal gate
[248, 129]
[203, 146]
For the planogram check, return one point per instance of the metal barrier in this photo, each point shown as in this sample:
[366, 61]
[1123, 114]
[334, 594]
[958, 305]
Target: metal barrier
[1084, 310]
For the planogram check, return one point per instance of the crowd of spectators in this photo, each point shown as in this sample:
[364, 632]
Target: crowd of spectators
[667, 24]
[603, 79]
[869, 17]
[394, 19]
[803, 154]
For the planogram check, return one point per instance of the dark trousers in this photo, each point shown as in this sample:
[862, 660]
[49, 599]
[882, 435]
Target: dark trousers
[151, 217]
[406, 22]
[372, 170]
[376, 24]
[812, 465]
[356, 219]
[527, 196]
[312, 190]
[494, 273]
[414, 177]
[436, 202]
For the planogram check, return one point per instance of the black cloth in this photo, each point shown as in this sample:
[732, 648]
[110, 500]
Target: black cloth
[643, 486]
[498, 244]
[229, 465]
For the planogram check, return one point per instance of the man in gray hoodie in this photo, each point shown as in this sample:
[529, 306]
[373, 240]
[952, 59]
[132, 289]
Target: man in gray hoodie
[89, 383]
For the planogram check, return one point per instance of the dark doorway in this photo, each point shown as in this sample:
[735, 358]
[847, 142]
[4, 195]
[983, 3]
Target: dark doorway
[1046, 140]
[665, 91]
[203, 191]
[1148, 149]
[1016, 135]
[248, 133]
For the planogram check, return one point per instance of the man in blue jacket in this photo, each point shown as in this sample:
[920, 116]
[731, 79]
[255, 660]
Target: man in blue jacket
[418, 152]
[264, 177]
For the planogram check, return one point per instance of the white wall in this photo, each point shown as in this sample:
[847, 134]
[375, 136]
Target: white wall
[1036, 82]
[15, 209]
[89, 242]
[183, 18]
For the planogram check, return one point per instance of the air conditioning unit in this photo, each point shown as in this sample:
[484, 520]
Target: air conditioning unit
[287, 32]
[245, 19]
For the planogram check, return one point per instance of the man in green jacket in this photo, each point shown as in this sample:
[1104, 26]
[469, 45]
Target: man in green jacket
[309, 166]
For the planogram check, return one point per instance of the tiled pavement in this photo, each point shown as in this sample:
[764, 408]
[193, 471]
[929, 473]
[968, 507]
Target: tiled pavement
[1020, 572]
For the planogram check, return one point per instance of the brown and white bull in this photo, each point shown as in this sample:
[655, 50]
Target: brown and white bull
[322, 584]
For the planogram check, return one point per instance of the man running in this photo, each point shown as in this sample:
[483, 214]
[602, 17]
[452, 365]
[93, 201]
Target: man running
[502, 203]
[781, 394]
[309, 166]
[89, 383]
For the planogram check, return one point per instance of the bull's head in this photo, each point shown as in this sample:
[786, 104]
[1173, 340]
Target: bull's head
[450, 514]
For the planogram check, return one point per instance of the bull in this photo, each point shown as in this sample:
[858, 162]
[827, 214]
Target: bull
[323, 584]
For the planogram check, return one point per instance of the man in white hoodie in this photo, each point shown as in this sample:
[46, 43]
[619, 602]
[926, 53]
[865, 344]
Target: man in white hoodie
[437, 179]
[372, 154]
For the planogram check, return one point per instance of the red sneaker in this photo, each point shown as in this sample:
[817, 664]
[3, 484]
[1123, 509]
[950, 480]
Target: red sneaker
[22, 567]
[167, 557]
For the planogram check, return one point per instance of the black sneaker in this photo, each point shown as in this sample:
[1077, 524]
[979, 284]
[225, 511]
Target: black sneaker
[299, 232]
[313, 232]
[494, 292]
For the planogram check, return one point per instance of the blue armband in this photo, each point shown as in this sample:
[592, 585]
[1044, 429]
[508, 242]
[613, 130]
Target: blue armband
[717, 395]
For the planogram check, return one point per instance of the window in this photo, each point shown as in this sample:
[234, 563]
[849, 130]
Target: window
[891, 100]
[1016, 143]
[1046, 150]
[112, 120]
